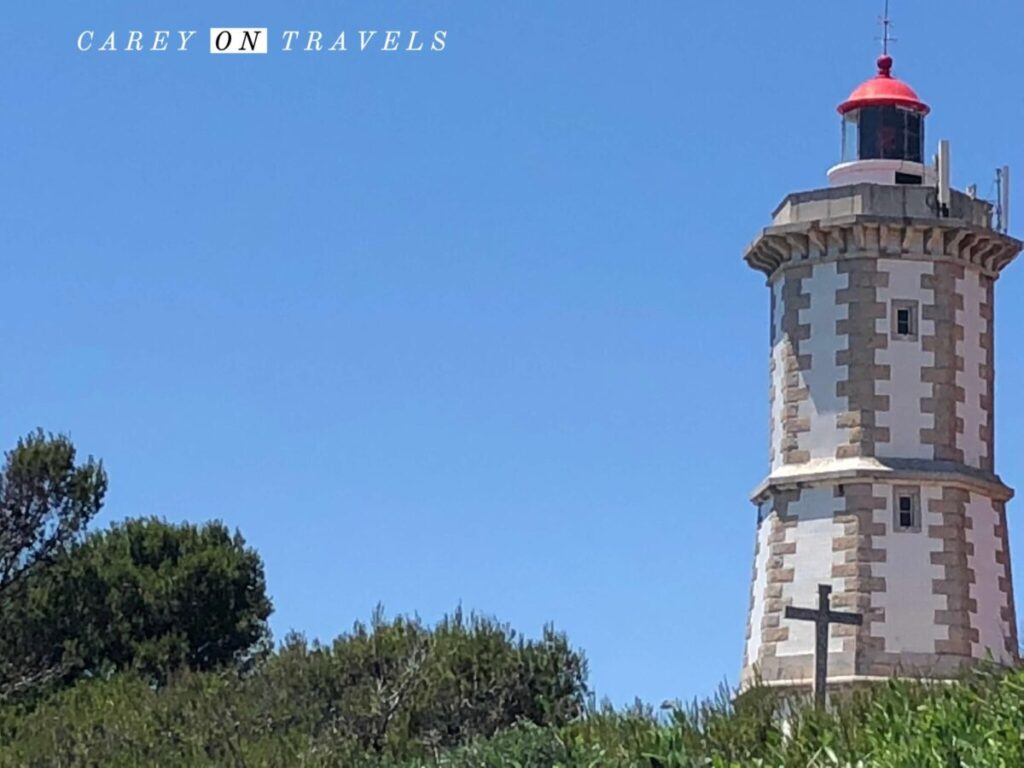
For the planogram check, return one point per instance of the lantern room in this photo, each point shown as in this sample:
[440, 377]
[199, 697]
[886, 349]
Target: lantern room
[883, 133]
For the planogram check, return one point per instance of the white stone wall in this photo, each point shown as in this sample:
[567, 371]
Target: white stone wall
[778, 374]
[908, 599]
[970, 379]
[823, 406]
[760, 585]
[917, 582]
[984, 590]
[905, 418]
[812, 562]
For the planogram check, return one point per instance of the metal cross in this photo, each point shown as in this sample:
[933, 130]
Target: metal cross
[822, 617]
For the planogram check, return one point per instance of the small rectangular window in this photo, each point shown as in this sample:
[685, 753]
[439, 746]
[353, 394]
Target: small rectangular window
[907, 509]
[906, 512]
[904, 320]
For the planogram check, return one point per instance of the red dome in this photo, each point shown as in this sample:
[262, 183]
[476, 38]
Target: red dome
[884, 90]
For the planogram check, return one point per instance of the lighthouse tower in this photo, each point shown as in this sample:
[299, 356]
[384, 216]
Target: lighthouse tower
[882, 478]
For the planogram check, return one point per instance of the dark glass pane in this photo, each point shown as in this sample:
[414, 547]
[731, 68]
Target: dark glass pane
[870, 126]
[915, 144]
[906, 504]
[891, 136]
[890, 133]
[906, 520]
[920, 137]
[903, 328]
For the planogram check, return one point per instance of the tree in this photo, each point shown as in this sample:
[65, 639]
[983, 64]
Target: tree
[149, 596]
[401, 688]
[483, 677]
[46, 501]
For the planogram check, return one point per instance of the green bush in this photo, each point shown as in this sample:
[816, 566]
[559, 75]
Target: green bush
[295, 711]
[387, 692]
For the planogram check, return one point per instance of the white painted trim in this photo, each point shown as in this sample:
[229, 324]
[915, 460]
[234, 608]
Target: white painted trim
[878, 172]
[833, 471]
[846, 679]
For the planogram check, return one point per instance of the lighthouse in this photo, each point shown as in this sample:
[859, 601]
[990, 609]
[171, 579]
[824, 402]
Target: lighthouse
[882, 479]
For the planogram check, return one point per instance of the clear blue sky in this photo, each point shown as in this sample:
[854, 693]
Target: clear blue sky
[470, 327]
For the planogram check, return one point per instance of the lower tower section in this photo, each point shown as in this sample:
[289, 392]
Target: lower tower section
[926, 564]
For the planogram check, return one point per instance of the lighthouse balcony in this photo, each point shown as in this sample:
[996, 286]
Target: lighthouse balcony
[872, 198]
[882, 221]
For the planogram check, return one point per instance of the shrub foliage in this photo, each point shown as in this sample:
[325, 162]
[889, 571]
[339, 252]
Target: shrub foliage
[287, 714]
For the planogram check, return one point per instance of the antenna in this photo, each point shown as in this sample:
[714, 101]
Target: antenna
[999, 199]
[943, 174]
[887, 24]
[1006, 198]
[1003, 199]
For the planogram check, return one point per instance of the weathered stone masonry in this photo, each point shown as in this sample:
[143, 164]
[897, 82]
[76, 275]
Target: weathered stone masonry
[794, 392]
[1008, 611]
[943, 403]
[955, 585]
[988, 400]
[863, 339]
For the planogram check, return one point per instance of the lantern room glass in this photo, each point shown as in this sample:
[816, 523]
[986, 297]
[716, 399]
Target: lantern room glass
[850, 136]
[883, 133]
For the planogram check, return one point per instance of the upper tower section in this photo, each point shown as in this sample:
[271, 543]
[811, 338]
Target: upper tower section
[883, 133]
